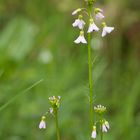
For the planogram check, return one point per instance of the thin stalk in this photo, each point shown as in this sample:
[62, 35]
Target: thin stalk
[57, 126]
[90, 73]
[90, 80]
[101, 133]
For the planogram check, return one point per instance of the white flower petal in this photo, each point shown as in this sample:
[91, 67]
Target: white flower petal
[99, 15]
[42, 124]
[80, 39]
[76, 23]
[104, 32]
[81, 24]
[93, 135]
[83, 40]
[92, 28]
[104, 129]
[109, 29]
[107, 124]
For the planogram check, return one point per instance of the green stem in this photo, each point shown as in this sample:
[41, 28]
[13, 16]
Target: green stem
[101, 133]
[90, 80]
[57, 126]
[90, 73]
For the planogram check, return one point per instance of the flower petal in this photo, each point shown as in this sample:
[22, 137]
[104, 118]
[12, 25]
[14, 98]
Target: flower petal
[104, 129]
[83, 40]
[76, 23]
[92, 28]
[99, 15]
[109, 29]
[93, 135]
[42, 124]
[81, 24]
[104, 32]
[78, 40]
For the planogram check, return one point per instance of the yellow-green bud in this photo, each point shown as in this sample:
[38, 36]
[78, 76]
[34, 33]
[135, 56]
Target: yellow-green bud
[91, 20]
[94, 128]
[103, 24]
[80, 17]
[81, 33]
[43, 118]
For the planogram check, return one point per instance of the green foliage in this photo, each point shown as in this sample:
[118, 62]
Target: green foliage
[36, 42]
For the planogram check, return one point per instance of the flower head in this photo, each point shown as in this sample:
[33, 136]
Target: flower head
[90, 2]
[99, 109]
[55, 101]
[105, 126]
[81, 38]
[99, 13]
[42, 124]
[93, 134]
[106, 29]
[76, 11]
[92, 26]
[79, 22]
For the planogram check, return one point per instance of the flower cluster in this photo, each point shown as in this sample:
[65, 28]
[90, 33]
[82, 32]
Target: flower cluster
[99, 109]
[55, 103]
[92, 27]
[103, 123]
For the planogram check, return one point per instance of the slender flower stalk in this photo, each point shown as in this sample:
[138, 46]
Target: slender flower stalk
[90, 80]
[101, 133]
[57, 125]
[90, 74]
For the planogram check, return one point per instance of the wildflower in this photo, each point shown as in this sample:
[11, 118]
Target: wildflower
[92, 26]
[76, 11]
[79, 22]
[93, 134]
[105, 126]
[42, 124]
[99, 13]
[106, 29]
[81, 38]
[99, 109]
[55, 101]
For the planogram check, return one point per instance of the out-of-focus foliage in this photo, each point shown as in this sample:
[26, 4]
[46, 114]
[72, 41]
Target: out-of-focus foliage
[36, 42]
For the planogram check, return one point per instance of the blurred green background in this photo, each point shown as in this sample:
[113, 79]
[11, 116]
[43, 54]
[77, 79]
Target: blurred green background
[36, 42]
